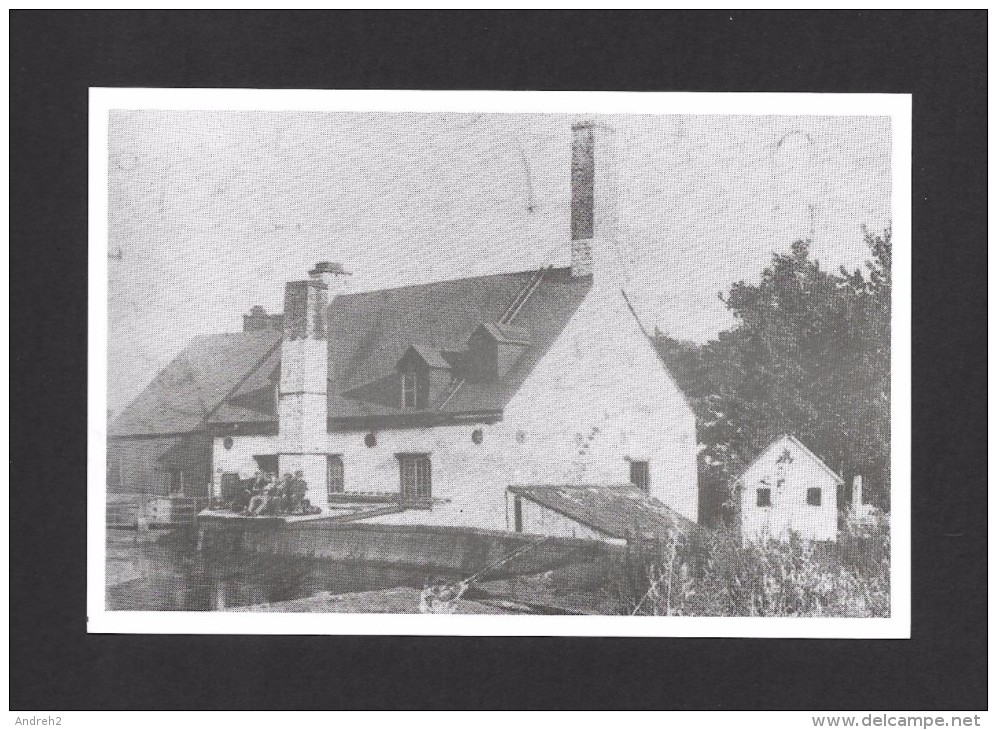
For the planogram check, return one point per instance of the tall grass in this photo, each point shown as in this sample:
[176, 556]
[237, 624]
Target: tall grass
[711, 573]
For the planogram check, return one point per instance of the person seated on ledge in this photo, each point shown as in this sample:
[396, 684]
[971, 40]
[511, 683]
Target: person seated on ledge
[296, 490]
[263, 493]
[244, 495]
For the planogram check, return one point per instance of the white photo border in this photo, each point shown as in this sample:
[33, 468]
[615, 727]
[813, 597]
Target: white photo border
[895, 106]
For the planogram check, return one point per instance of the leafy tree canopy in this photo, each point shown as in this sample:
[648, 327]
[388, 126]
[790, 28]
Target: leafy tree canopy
[809, 355]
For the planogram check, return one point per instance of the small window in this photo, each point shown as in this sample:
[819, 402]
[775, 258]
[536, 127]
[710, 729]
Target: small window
[813, 496]
[517, 513]
[176, 482]
[416, 476]
[334, 474]
[410, 384]
[764, 497]
[640, 476]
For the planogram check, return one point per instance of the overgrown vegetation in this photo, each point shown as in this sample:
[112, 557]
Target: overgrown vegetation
[711, 573]
[810, 356]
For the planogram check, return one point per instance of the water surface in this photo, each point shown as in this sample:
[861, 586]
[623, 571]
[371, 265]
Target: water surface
[168, 573]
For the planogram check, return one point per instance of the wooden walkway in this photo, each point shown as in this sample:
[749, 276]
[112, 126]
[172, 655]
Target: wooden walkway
[128, 511]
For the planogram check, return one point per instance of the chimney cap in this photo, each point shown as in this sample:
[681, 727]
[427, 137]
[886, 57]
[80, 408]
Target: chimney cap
[329, 267]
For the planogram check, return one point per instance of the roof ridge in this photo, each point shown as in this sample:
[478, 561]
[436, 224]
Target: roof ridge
[448, 281]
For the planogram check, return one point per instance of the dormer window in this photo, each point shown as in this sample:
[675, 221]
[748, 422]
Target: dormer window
[410, 389]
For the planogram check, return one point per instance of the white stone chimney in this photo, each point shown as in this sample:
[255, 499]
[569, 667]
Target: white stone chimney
[302, 436]
[594, 196]
[857, 506]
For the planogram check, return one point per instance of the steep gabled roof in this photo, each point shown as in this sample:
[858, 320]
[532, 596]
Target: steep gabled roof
[799, 444]
[616, 510]
[369, 332]
[223, 378]
[193, 385]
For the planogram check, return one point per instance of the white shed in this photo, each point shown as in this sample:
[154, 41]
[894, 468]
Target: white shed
[787, 488]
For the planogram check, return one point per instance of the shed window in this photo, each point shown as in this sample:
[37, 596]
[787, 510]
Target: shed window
[764, 497]
[334, 474]
[813, 496]
[410, 385]
[517, 513]
[416, 476]
[640, 476]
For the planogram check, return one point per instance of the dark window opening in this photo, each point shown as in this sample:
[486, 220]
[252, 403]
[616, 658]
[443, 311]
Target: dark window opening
[176, 482]
[517, 513]
[334, 474]
[640, 476]
[416, 476]
[764, 497]
[266, 463]
[813, 496]
[231, 487]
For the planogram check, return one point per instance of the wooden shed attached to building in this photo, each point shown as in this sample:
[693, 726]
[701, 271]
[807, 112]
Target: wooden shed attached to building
[593, 511]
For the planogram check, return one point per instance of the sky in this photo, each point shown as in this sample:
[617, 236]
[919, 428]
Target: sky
[213, 212]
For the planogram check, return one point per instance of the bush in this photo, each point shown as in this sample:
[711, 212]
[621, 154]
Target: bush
[710, 573]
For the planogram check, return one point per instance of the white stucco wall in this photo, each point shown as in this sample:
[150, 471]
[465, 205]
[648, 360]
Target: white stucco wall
[600, 396]
[238, 459]
[789, 481]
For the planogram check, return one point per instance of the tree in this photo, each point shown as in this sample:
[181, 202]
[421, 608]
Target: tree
[809, 355]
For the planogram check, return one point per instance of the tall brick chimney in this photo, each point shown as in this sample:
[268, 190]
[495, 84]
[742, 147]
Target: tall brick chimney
[304, 368]
[593, 201]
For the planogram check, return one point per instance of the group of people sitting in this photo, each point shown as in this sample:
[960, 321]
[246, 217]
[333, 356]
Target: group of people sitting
[267, 495]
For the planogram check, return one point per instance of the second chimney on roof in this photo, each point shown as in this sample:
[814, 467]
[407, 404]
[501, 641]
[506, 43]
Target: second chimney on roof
[593, 199]
[258, 320]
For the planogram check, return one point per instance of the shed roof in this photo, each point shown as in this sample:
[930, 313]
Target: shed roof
[617, 510]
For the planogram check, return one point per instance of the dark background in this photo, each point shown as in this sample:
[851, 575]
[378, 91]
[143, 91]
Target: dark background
[939, 57]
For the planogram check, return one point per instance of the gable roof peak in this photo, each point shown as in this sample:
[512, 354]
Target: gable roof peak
[504, 333]
[430, 357]
[787, 437]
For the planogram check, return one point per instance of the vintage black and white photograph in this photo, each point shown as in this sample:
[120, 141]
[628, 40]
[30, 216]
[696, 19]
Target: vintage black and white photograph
[529, 363]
